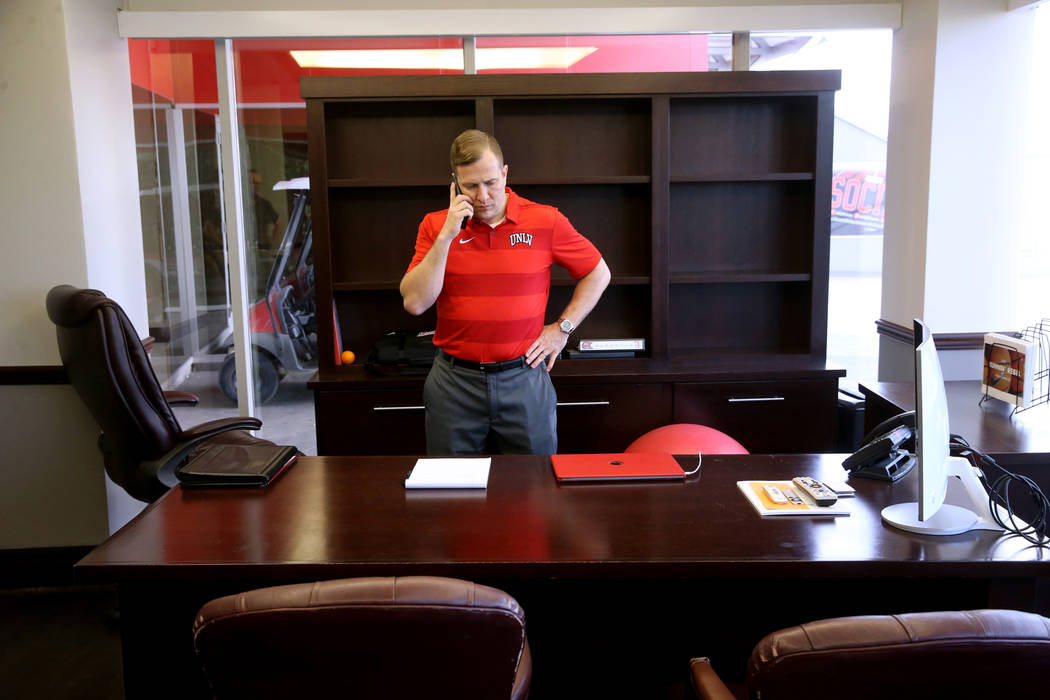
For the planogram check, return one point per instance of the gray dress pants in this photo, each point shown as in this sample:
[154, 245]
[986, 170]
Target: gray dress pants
[470, 411]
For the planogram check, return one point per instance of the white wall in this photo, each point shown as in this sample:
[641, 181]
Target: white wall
[908, 162]
[106, 163]
[39, 188]
[52, 493]
[69, 197]
[981, 93]
[69, 185]
[958, 97]
[242, 5]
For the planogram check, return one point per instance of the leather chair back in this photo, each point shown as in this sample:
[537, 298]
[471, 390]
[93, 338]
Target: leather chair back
[111, 372]
[975, 654]
[389, 638]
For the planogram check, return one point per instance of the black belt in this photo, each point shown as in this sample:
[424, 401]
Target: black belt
[485, 366]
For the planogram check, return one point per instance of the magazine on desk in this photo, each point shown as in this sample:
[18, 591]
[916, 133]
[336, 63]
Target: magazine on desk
[1008, 370]
[755, 493]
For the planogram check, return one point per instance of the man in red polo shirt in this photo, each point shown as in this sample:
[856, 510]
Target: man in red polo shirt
[486, 262]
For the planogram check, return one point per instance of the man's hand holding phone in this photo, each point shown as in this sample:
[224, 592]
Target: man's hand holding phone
[459, 205]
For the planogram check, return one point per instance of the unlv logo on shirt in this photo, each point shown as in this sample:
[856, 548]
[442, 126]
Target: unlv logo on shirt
[516, 238]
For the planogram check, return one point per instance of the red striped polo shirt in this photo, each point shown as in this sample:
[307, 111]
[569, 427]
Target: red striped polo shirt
[494, 297]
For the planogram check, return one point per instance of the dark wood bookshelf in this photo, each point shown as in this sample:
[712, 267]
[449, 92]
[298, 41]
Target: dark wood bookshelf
[743, 177]
[707, 193]
[730, 277]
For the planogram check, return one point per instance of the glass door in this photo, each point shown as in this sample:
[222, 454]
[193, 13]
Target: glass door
[185, 261]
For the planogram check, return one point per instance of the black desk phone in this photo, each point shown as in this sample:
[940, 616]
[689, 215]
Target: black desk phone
[887, 451]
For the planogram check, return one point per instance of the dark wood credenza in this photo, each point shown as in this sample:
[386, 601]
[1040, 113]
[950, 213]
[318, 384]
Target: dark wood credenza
[707, 193]
[990, 426]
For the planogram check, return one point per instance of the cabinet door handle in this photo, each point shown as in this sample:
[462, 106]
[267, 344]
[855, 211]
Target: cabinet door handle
[583, 403]
[754, 399]
[398, 408]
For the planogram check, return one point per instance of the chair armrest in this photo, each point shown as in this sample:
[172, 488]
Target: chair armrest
[222, 425]
[164, 467]
[706, 683]
[181, 398]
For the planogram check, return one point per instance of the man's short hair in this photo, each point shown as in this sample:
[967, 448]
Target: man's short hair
[471, 145]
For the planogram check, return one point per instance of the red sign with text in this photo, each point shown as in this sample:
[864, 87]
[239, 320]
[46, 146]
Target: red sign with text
[858, 197]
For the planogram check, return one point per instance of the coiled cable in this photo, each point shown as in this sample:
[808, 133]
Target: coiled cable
[1006, 490]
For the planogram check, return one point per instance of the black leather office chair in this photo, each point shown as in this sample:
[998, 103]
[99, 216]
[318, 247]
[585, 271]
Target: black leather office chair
[141, 440]
[366, 638]
[987, 654]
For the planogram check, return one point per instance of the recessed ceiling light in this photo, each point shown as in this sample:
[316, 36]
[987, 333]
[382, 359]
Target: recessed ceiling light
[443, 59]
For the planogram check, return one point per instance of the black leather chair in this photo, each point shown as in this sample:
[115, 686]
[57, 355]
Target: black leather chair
[141, 440]
[390, 638]
[986, 654]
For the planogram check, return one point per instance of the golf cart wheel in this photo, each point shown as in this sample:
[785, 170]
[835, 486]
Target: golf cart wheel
[264, 366]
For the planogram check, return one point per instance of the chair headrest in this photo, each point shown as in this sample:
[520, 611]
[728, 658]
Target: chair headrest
[945, 654]
[69, 306]
[406, 636]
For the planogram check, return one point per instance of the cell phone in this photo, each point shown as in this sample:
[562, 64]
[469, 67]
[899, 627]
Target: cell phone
[455, 181]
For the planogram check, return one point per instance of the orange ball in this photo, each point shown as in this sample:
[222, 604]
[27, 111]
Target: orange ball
[348, 357]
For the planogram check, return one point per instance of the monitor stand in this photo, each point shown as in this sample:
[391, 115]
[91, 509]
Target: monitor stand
[949, 519]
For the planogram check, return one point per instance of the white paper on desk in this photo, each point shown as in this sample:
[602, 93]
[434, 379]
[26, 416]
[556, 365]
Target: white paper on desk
[450, 473]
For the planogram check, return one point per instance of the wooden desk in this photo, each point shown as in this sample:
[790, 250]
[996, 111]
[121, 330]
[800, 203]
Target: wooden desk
[988, 427]
[630, 577]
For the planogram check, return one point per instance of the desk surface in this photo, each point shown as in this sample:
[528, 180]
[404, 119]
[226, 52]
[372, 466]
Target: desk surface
[988, 426]
[329, 517]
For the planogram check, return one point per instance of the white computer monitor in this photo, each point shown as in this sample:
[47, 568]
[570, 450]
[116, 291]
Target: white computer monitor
[930, 515]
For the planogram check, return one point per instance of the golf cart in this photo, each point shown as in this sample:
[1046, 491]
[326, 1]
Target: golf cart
[284, 321]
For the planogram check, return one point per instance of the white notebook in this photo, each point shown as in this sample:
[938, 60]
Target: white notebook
[449, 473]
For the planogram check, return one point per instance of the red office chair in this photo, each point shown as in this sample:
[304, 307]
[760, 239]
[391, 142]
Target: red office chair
[366, 638]
[687, 438]
[959, 655]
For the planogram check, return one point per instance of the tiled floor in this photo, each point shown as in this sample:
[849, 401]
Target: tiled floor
[288, 418]
[60, 643]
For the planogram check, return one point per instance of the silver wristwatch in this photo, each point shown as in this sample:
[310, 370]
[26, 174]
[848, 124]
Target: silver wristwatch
[566, 325]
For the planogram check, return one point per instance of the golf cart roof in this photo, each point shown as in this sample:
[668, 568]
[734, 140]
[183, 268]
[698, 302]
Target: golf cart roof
[299, 183]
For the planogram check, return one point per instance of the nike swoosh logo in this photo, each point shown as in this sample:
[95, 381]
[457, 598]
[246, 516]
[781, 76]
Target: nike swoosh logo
[468, 240]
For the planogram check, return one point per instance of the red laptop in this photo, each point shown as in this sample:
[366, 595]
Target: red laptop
[636, 466]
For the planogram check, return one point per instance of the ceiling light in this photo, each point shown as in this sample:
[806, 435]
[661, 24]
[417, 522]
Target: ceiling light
[444, 59]
[407, 59]
[531, 57]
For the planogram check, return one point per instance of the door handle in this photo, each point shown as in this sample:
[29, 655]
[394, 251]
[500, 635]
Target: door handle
[755, 399]
[583, 403]
[398, 408]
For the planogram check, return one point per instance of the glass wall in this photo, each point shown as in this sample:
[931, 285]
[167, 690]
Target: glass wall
[187, 245]
[188, 248]
[595, 54]
[179, 194]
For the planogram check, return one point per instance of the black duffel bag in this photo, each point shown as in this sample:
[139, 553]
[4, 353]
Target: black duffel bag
[402, 352]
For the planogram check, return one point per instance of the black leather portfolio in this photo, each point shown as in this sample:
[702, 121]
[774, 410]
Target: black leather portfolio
[236, 465]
